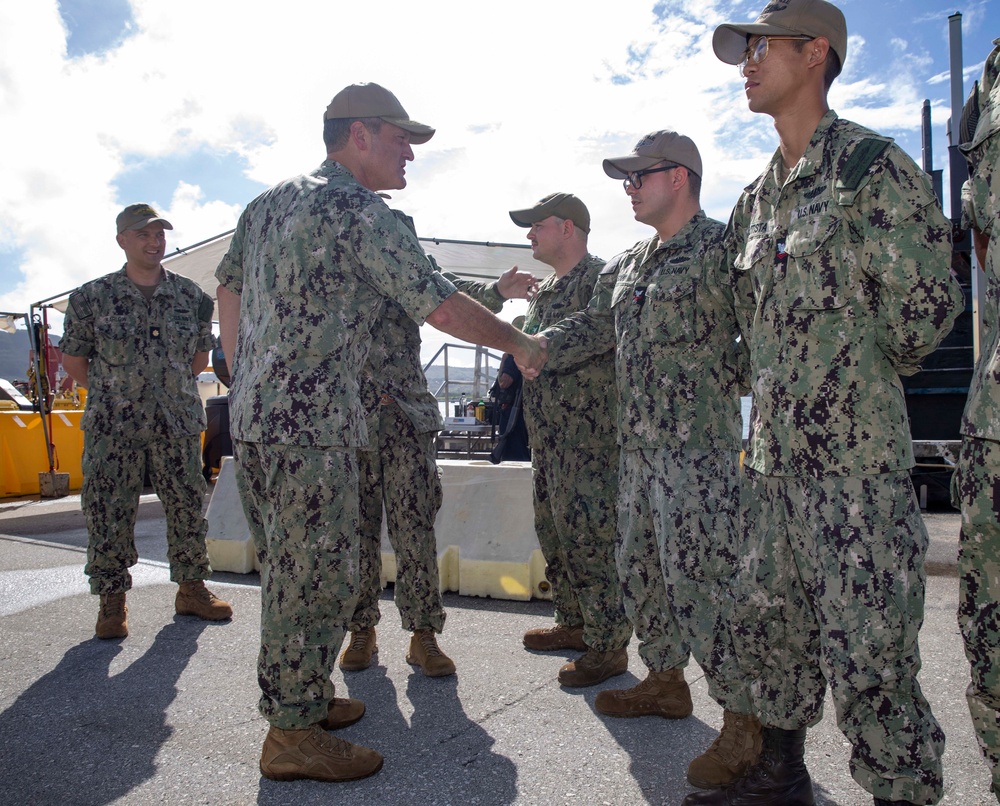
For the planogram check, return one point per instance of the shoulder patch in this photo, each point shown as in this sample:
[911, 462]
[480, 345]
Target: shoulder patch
[857, 164]
[206, 308]
[81, 307]
[611, 267]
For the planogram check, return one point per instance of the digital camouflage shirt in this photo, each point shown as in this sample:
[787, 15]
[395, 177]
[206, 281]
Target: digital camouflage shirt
[667, 311]
[982, 411]
[842, 283]
[314, 259]
[576, 406]
[140, 381]
[393, 366]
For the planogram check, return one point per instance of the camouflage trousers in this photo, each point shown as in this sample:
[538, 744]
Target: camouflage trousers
[302, 508]
[676, 559]
[114, 469]
[976, 488]
[400, 472]
[574, 499]
[831, 590]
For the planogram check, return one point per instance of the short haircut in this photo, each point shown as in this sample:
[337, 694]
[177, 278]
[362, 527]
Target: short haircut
[694, 185]
[336, 131]
[833, 66]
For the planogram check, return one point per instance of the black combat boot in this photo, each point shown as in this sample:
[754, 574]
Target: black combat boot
[779, 778]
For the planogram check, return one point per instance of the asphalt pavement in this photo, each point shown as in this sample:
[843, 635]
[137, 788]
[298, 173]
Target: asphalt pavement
[169, 715]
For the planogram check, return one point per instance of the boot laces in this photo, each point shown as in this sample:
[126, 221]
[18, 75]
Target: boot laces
[725, 743]
[201, 593]
[757, 774]
[429, 643]
[331, 743]
[360, 641]
[113, 605]
[645, 685]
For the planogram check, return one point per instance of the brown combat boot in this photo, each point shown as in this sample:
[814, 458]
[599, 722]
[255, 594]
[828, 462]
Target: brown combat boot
[194, 599]
[289, 755]
[341, 712]
[425, 653]
[779, 778]
[735, 749]
[112, 618]
[594, 667]
[663, 694]
[358, 654]
[547, 639]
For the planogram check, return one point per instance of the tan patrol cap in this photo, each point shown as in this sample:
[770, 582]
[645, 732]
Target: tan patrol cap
[137, 216]
[373, 101]
[562, 205]
[653, 148]
[784, 18]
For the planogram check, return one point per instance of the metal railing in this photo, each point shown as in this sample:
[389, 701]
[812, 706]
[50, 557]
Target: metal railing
[477, 388]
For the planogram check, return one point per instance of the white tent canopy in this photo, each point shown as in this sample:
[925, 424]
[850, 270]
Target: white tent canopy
[471, 260]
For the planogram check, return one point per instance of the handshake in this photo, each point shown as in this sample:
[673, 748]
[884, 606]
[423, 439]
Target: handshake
[531, 356]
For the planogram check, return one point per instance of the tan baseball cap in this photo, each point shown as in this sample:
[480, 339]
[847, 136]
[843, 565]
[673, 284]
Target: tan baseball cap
[562, 205]
[784, 18]
[653, 148]
[373, 101]
[137, 216]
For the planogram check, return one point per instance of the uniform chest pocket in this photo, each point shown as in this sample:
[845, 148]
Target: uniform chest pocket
[627, 304]
[815, 271]
[182, 338]
[670, 311]
[117, 340]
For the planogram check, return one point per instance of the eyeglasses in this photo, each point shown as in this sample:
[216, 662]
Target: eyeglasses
[634, 179]
[757, 52]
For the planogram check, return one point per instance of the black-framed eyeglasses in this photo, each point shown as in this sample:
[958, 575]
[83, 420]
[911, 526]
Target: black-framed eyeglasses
[634, 179]
[757, 52]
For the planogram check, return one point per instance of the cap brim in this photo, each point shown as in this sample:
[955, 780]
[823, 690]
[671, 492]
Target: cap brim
[140, 224]
[419, 132]
[730, 40]
[620, 167]
[522, 217]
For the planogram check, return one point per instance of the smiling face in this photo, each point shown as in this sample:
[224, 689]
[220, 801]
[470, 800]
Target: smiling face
[144, 248]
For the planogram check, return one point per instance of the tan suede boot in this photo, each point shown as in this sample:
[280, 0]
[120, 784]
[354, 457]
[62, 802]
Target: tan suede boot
[112, 618]
[341, 712]
[289, 755]
[559, 636]
[594, 667]
[660, 694]
[358, 654]
[425, 653]
[194, 599]
[735, 749]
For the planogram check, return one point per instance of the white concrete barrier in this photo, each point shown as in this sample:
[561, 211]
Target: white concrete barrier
[485, 531]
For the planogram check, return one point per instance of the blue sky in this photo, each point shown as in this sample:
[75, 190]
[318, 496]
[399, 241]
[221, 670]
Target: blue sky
[197, 106]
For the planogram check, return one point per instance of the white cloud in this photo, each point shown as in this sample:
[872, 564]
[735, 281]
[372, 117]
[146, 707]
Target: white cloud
[527, 98]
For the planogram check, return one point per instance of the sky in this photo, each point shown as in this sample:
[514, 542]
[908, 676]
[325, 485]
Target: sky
[196, 107]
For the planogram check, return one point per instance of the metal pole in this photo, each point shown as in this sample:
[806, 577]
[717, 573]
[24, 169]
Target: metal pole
[927, 153]
[40, 367]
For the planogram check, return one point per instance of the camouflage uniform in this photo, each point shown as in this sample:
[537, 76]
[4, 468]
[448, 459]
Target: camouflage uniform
[398, 469]
[679, 367]
[842, 283]
[313, 260]
[574, 457]
[977, 478]
[143, 412]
